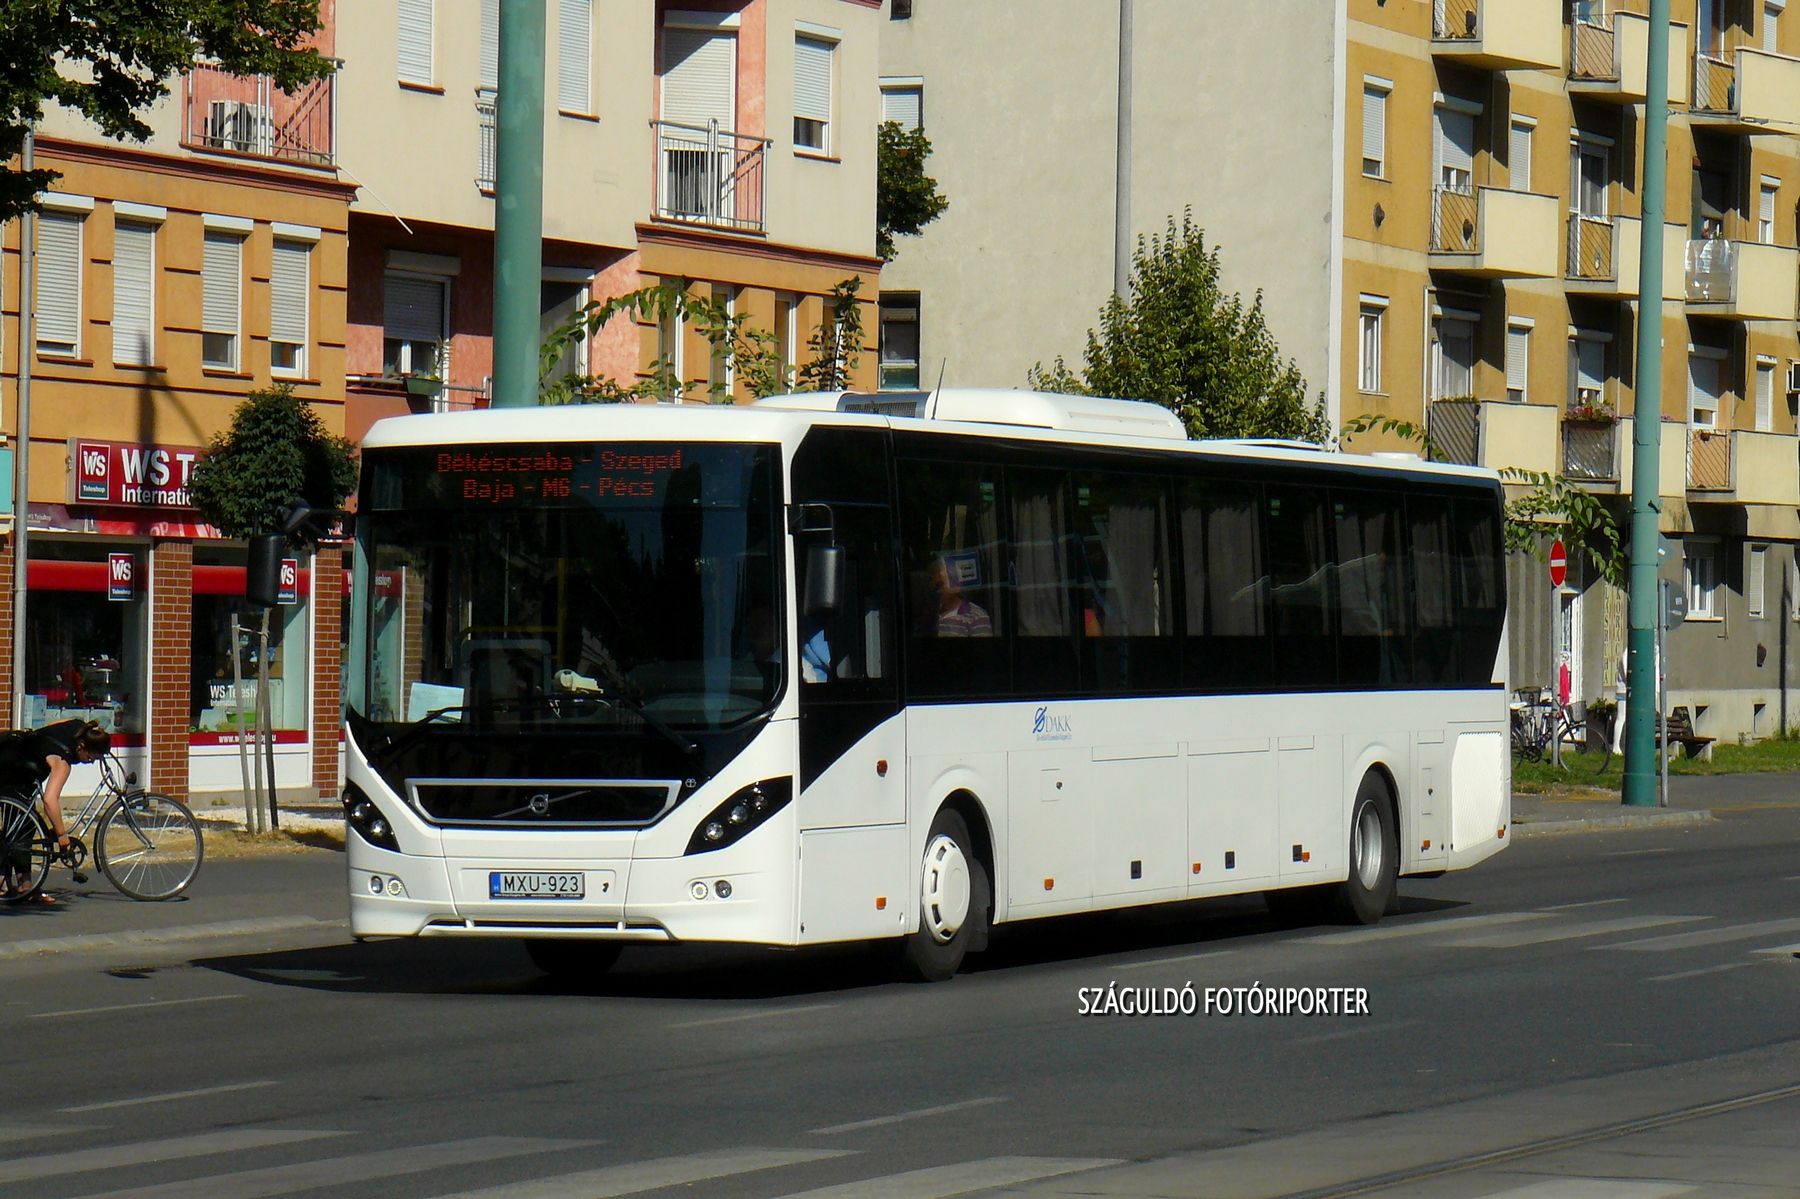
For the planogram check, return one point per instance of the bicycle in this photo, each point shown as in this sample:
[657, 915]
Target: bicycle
[148, 845]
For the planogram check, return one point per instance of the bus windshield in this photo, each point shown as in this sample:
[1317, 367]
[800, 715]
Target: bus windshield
[569, 586]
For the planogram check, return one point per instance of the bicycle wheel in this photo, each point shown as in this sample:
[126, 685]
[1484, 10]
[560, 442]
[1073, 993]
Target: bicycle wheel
[24, 850]
[149, 846]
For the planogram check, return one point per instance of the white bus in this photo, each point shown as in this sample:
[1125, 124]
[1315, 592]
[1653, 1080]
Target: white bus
[841, 667]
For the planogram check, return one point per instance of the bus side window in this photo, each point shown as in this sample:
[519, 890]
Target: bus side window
[1121, 545]
[950, 551]
[854, 644]
[1302, 606]
[1226, 584]
[1434, 571]
[1483, 586]
[1372, 624]
[1045, 659]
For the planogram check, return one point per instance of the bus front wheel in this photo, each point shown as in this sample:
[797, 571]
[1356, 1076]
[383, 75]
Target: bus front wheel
[1369, 891]
[954, 899]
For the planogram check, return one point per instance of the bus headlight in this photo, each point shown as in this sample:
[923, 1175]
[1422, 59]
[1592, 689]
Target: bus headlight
[747, 807]
[361, 814]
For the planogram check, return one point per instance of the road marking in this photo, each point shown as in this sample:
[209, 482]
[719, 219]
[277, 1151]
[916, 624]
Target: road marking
[1453, 924]
[1780, 949]
[127, 1007]
[100, 1107]
[941, 1182]
[1186, 957]
[1707, 936]
[156, 936]
[763, 1015]
[1669, 978]
[629, 1179]
[1635, 853]
[898, 1117]
[1592, 903]
[1595, 1188]
[51, 1165]
[1569, 932]
[24, 1132]
[1344, 1034]
[342, 1171]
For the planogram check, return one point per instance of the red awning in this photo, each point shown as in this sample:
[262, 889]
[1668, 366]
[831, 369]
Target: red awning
[47, 575]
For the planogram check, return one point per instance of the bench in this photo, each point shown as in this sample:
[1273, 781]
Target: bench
[1681, 732]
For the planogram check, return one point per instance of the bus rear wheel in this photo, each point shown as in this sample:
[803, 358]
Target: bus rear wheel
[572, 960]
[954, 898]
[1369, 891]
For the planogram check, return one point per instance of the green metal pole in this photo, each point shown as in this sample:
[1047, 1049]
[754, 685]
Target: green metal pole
[519, 203]
[1646, 430]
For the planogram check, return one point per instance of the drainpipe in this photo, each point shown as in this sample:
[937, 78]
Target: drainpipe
[519, 203]
[1122, 170]
[22, 449]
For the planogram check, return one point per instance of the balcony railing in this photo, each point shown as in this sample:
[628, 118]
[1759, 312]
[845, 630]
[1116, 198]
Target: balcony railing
[1455, 216]
[1709, 271]
[1456, 20]
[1591, 451]
[1591, 247]
[249, 115]
[487, 115]
[1715, 85]
[1593, 50]
[1709, 460]
[1455, 428]
[709, 176]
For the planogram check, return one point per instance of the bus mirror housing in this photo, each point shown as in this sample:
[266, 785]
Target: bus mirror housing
[262, 579]
[824, 587]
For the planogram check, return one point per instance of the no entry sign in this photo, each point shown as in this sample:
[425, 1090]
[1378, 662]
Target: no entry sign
[1559, 564]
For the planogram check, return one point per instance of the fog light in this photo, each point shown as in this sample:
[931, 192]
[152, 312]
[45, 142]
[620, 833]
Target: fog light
[698, 890]
[722, 889]
[714, 830]
[396, 888]
[378, 828]
[374, 884]
[739, 814]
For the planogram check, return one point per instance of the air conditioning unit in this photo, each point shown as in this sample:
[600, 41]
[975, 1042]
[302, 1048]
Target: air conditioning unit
[1793, 379]
[237, 125]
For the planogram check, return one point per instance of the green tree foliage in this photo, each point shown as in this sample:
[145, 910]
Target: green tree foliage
[1182, 342]
[1553, 505]
[906, 198]
[836, 344]
[277, 450]
[110, 60]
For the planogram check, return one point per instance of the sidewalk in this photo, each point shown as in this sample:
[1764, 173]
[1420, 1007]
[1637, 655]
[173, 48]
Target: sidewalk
[1693, 799]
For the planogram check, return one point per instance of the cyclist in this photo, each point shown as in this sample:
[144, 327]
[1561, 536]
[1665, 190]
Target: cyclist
[45, 756]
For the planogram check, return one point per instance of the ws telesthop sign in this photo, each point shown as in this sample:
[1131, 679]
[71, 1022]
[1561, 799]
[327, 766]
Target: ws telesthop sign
[129, 474]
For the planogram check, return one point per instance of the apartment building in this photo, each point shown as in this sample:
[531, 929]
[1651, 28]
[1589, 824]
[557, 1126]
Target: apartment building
[172, 277]
[1440, 201]
[727, 143]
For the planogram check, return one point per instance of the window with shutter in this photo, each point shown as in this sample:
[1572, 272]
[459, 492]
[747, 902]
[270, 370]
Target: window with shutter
[415, 42]
[1772, 28]
[1765, 213]
[490, 46]
[1518, 361]
[1756, 587]
[221, 286]
[1456, 150]
[1519, 153]
[134, 295]
[1589, 360]
[1368, 351]
[289, 290]
[904, 105]
[574, 48]
[1374, 132]
[1765, 397]
[699, 82]
[58, 306]
[413, 335]
[812, 94]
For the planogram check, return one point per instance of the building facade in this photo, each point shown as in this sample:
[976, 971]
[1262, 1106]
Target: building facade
[1441, 205]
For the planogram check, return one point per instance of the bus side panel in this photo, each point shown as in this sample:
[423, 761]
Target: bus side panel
[1050, 839]
[1426, 839]
[1232, 815]
[852, 883]
[1310, 776]
[1480, 808]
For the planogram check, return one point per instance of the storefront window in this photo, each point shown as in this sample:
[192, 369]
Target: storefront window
[84, 652]
[218, 593]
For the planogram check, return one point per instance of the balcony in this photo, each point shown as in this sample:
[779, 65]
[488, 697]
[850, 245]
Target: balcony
[487, 117]
[1604, 254]
[709, 177]
[1590, 451]
[1742, 467]
[1708, 460]
[1494, 233]
[248, 115]
[1753, 91]
[1499, 35]
[1609, 59]
[1741, 280]
[1494, 433]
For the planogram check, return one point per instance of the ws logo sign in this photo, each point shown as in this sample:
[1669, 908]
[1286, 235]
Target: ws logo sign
[1047, 726]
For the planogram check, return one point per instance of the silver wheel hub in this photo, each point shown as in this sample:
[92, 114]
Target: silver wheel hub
[1370, 847]
[944, 889]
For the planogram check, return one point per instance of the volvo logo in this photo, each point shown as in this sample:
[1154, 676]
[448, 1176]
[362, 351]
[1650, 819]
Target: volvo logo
[540, 803]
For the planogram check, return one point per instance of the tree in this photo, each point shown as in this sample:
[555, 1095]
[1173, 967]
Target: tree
[836, 344]
[1555, 505]
[277, 450]
[1181, 341]
[111, 61]
[906, 198]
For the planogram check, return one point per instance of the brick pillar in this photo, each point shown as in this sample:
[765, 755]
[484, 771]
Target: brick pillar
[327, 668]
[6, 628]
[171, 664]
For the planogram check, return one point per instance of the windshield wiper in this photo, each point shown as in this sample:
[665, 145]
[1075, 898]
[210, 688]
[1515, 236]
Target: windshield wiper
[611, 670]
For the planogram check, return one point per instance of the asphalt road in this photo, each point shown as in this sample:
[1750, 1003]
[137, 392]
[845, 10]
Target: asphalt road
[1615, 1007]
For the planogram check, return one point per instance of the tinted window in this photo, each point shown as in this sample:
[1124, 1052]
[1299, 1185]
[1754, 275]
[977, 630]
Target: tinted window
[1301, 606]
[846, 465]
[1044, 661]
[1226, 587]
[1373, 650]
[1481, 568]
[1434, 579]
[1122, 580]
[951, 553]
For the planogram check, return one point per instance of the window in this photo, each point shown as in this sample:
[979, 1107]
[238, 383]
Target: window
[1765, 210]
[1374, 133]
[787, 326]
[134, 295]
[899, 342]
[720, 378]
[557, 301]
[86, 656]
[904, 104]
[1587, 372]
[1700, 572]
[415, 42]
[1519, 153]
[1227, 587]
[671, 347]
[1771, 31]
[1373, 650]
[489, 79]
[1518, 361]
[212, 704]
[221, 286]
[951, 551]
[1458, 590]
[812, 93]
[1706, 370]
[1765, 395]
[901, 10]
[1756, 582]
[413, 330]
[574, 52]
[1122, 583]
[1301, 603]
[1589, 185]
[1455, 151]
[58, 315]
[1454, 352]
[1368, 354]
[290, 290]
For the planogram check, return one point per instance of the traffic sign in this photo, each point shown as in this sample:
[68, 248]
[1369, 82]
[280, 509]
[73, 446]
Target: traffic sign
[1559, 564]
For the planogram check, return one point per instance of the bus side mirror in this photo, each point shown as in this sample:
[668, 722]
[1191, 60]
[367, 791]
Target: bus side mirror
[262, 579]
[824, 587]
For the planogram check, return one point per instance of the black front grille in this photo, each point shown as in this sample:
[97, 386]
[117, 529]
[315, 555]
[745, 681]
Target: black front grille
[559, 803]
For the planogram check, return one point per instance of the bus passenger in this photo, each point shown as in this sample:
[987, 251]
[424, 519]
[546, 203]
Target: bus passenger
[957, 616]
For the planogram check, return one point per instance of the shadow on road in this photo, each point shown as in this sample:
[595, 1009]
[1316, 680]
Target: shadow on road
[444, 966]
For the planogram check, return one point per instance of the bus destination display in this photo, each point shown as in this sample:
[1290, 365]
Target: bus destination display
[514, 474]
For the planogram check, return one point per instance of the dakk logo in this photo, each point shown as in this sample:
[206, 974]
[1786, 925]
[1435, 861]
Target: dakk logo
[1046, 726]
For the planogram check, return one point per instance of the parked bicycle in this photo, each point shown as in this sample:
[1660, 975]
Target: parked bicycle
[148, 845]
[1539, 722]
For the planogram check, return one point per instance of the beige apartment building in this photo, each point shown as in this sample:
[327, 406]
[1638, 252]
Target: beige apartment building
[728, 143]
[1440, 202]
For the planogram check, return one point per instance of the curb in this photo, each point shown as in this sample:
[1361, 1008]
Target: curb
[159, 936]
[1591, 824]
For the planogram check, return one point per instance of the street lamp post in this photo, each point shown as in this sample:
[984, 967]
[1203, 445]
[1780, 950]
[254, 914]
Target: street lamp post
[518, 203]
